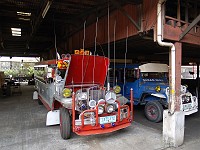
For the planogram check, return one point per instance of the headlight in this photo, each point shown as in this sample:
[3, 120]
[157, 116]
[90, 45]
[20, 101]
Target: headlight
[81, 96]
[92, 103]
[186, 99]
[110, 97]
[66, 92]
[117, 89]
[100, 109]
[158, 89]
[109, 108]
[183, 89]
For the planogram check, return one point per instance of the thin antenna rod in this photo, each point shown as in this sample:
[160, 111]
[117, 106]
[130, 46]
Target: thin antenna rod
[95, 46]
[108, 76]
[114, 83]
[57, 55]
[83, 48]
[125, 60]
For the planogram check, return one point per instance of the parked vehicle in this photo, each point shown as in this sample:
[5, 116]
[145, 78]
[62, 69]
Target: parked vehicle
[72, 89]
[150, 88]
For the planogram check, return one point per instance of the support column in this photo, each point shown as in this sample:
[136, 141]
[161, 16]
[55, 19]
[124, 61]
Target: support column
[178, 47]
[173, 124]
[198, 82]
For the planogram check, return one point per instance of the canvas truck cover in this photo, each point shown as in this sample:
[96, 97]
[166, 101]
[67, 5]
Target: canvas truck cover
[153, 67]
[87, 69]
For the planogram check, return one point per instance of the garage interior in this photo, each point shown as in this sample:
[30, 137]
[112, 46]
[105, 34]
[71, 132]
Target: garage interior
[114, 28]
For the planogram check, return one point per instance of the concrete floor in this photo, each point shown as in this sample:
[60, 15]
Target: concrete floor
[22, 127]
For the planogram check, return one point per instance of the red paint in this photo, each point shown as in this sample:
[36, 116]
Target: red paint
[86, 69]
[44, 103]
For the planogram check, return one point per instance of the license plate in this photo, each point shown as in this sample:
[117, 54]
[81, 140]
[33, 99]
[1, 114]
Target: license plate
[107, 119]
[187, 107]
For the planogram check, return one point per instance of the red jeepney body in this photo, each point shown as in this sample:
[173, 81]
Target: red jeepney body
[87, 72]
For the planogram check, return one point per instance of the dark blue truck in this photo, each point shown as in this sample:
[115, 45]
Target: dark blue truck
[150, 88]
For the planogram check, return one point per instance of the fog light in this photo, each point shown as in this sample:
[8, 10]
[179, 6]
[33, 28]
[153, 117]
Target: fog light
[66, 92]
[158, 89]
[117, 89]
[109, 108]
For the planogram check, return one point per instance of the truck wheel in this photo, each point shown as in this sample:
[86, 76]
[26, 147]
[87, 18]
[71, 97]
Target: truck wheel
[154, 111]
[65, 125]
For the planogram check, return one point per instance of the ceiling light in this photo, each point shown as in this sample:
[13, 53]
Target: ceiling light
[16, 31]
[25, 19]
[14, 34]
[23, 14]
[46, 9]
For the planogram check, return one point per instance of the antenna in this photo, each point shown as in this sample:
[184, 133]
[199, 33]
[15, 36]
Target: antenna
[108, 76]
[83, 48]
[125, 59]
[114, 83]
[95, 46]
[57, 55]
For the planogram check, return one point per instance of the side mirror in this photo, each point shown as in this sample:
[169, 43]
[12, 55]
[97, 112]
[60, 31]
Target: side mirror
[138, 74]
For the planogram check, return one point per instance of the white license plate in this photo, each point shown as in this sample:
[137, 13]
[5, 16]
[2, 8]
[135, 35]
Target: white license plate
[107, 119]
[187, 107]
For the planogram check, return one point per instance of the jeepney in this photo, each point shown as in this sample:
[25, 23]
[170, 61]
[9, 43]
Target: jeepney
[151, 88]
[72, 89]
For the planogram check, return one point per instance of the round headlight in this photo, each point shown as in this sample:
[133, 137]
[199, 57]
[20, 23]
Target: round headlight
[66, 92]
[117, 89]
[100, 109]
[158, 89]
[109, 108]
[92, 103]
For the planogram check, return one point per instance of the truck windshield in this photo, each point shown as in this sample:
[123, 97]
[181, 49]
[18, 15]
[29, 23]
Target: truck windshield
[153, 75]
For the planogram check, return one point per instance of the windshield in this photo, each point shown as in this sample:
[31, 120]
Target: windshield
[153, 75]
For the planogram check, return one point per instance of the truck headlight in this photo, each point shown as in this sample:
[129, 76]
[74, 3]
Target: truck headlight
[186, 99]
[92, 103]
[100, 109]
[117, 89]
[66, 92]
[81, 96]
[109, 108]
[157, 88]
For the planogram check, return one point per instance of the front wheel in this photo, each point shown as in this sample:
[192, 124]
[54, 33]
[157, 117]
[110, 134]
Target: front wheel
[154, 111]
[65, 125]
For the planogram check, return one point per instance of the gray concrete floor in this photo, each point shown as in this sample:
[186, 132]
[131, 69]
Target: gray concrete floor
[22, 127]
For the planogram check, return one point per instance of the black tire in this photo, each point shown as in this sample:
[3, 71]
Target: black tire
[65, 123]
[154, 111]
[39, 102]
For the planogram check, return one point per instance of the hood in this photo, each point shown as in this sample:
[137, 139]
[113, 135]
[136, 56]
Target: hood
[87, 69]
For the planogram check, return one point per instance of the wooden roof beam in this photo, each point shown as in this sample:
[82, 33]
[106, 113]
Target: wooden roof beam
[194, 22]
[118, 6]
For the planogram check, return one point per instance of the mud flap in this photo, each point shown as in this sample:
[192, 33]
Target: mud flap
[35, 95]
[53, 118]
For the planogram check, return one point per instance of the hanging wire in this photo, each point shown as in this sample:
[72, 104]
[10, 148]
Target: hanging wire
[125, 60]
